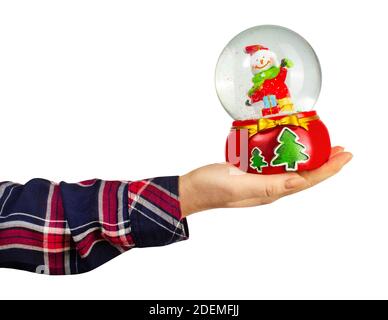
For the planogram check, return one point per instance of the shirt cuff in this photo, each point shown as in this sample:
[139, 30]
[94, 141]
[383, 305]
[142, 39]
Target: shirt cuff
[154, 212]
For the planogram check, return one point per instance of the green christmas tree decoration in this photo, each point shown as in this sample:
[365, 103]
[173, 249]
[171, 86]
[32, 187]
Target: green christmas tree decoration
[257, 160]
[290, 152]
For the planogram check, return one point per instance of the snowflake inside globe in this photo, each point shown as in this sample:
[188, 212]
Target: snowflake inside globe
[266, 71]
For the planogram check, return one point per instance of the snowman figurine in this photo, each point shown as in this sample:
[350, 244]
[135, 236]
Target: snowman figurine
[269, 92]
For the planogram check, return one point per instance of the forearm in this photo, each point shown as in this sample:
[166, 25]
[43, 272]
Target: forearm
[72, 228]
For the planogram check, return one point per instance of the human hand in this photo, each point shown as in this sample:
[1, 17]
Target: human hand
[222, 185]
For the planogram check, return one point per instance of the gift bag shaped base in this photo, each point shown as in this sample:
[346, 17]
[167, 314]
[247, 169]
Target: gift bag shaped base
[272, 145]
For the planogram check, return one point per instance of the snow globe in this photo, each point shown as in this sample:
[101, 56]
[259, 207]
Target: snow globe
[268, 78]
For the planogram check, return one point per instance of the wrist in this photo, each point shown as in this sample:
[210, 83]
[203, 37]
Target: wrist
[184, 192]
[189, 196]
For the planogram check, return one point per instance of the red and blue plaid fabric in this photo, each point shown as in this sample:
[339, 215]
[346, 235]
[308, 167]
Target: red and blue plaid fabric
[70, 228]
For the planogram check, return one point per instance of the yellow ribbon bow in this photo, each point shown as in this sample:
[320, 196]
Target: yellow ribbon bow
[265, 123]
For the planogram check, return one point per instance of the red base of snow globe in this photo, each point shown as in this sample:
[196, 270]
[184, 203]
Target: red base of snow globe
[279, 144]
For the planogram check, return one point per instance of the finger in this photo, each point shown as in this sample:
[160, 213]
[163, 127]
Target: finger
[291, 183]
[310, 178]
[295, 183]
[264, 189]
[271, 187]
[330, 168]
[256, 185]
[285, 184]
[336, 150]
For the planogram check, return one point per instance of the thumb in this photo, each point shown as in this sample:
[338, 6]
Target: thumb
[278, 185]
[294, 183]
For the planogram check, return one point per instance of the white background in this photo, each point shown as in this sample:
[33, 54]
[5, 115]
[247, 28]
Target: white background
[124, 90]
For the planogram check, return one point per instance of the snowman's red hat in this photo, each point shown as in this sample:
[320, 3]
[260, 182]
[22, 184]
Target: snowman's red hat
[254, 48]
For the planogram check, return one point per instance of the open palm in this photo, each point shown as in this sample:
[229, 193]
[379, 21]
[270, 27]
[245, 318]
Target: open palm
[222, 185]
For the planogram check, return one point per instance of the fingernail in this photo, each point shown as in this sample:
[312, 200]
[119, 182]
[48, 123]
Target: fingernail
[294, 182]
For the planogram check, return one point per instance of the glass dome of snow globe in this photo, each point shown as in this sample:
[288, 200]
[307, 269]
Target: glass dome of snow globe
[267, 71]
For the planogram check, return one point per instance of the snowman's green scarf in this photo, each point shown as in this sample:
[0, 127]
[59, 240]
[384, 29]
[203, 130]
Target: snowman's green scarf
[259, 78]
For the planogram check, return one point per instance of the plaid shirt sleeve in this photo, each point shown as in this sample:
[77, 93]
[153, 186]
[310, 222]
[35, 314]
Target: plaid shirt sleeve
[71, 228]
